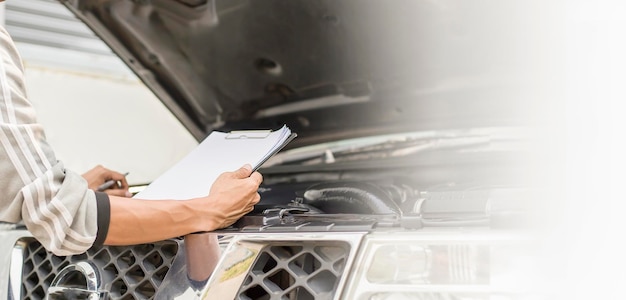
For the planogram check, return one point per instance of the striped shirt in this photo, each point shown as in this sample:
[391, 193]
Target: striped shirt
[36, 190]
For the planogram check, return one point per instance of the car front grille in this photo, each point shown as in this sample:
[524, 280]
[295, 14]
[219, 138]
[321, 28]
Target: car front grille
[297, 270]
[127, 272]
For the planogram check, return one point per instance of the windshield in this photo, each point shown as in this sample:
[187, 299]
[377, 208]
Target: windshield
[406, 144]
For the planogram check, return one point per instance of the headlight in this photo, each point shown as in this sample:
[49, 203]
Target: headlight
[405, 263]
[425, 266]
[445, 296]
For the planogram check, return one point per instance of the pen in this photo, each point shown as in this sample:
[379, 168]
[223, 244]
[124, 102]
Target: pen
[108, 184]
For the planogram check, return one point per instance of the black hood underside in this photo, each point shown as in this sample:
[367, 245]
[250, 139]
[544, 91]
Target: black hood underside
[328, 69]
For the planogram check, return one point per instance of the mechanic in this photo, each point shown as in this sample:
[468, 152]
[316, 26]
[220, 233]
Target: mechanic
[62, 209]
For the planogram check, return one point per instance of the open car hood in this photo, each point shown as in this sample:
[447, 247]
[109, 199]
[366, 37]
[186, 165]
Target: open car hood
[328, 69]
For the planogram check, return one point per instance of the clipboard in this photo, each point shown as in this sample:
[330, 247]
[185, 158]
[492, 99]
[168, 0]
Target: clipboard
[248, 134]
[219, 152]
[289, 139]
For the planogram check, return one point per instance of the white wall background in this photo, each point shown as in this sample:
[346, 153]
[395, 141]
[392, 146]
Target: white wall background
[94, 110]
[116, 122]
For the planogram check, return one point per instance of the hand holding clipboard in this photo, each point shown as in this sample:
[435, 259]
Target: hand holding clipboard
[219, 152]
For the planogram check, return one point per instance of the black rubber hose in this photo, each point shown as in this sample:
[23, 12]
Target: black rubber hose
[350, 197]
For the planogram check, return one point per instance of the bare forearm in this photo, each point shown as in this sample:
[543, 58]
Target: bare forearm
[136, 221]
[203, 252]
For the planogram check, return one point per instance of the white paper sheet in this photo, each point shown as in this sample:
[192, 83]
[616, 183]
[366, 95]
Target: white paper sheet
[219, 152]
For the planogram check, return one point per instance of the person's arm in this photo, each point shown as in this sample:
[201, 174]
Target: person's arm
[202, 252]
[54, 203]
[67, 217]
[134, 221]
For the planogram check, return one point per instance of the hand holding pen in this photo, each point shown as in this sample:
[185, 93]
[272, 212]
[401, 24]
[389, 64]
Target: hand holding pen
[109, 184]
[104, 180]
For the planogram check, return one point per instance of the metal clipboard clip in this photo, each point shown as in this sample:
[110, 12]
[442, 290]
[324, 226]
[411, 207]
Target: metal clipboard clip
[248, 134]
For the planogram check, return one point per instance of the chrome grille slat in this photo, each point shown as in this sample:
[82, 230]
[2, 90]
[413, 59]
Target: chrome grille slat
[128, 272]
[304, 270]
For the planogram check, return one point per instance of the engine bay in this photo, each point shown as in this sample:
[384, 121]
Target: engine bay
[421, 193]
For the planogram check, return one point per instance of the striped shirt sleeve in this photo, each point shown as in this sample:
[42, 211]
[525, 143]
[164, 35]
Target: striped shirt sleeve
[55, 204]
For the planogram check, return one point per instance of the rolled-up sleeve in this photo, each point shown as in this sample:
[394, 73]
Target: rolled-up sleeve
[55, 204]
